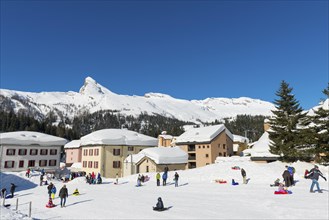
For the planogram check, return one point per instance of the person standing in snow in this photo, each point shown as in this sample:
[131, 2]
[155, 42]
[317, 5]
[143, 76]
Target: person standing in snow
[49, 188]
[27, 174]
[286, 178]
[3, 193]
[164, 178]
[63, 194]
[291, 172]
[117, 178]
[158, 176]
[176, 179]
[53, 192]
[244, 176]
[12, 189]
[314, 176]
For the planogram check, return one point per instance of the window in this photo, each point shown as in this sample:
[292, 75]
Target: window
[130, 148]
[31, 163]
[84, 164]
[220, 154]
[116, 164]
[52, 163]
[53, 152]
[147, 169]
[199, 147]
[207, 146]
[95, 164]
[33, 152]
[10, 152]
[90, 164]
[223, 146]
[9, 164]
[42, 163]
[207, 155]
[85, 152]
[224, 154]
[116, 152]
[43, 152]
[96, 152]
[22, 152]
[90, 152]
[203, 146]
[21, 164]
[218, 145]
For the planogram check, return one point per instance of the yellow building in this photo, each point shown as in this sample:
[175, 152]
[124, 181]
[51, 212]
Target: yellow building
[205, 144]
[104, 151]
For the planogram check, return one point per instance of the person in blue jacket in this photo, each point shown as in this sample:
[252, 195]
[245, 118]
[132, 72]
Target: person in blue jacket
[164, 178]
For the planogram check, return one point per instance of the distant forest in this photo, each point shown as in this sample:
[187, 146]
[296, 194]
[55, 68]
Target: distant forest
[152, 125]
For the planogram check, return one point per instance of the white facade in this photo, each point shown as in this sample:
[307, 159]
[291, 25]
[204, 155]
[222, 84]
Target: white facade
[23, 149]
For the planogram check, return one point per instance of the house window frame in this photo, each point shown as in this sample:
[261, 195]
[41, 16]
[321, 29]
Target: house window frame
[116, 164]
[22, 152]
[43, 151]
[12, 162]
[10, 152]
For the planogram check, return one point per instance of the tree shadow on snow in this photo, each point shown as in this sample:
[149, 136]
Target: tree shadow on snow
[20, 182]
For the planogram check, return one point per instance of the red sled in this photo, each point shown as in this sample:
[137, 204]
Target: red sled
[50, 205]
[220, 181]
[283, 192]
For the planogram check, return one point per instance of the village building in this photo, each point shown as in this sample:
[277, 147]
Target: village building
[72, 152]
[21, 150]
[165, 140]
[240, 143]
[156, 160]
[104, 151]
[205, 144]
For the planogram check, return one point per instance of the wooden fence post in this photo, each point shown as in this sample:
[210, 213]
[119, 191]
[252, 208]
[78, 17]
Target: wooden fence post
[30, 209]
[16, 204]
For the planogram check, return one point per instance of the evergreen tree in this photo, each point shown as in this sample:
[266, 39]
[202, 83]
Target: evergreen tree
[284, 132]
[321, 130]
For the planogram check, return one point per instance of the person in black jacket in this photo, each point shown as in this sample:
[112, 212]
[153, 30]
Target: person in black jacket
[314, 176]
[159, 205]
[12, 189]
[286, 178]
[63, 194]
[244, 176]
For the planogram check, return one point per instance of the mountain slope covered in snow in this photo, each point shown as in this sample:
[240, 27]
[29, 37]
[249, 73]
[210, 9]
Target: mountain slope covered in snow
[93, 97]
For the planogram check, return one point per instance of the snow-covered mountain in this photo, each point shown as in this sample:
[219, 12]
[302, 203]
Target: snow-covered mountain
[93, 97]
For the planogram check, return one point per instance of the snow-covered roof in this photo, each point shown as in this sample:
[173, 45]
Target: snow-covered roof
[166, 136]
[118, 137]
[164, 155]
[73, 144]
[241, 139]
[262, 147]
[203, 134]
[26, 138]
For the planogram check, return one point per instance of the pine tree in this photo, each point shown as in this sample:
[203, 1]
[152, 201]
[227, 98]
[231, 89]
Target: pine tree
[321, 129]
[284, 132]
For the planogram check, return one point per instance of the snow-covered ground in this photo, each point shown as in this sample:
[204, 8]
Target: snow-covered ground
[197, 197]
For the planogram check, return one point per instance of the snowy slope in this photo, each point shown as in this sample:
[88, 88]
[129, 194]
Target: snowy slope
[93, 97]
[197, 197]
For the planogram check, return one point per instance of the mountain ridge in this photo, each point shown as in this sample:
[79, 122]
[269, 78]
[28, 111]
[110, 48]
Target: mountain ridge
[93, 97]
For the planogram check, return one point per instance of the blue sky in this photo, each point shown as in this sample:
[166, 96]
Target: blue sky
[187, 49]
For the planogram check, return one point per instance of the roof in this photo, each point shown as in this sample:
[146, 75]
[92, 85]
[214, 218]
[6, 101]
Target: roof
[121, 137]
[202, 134]
[161, 155]
[262, 147]
[73, 144]
[26, 138]
[241, 139]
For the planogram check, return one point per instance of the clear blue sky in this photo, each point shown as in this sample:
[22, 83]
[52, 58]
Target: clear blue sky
[187, 49]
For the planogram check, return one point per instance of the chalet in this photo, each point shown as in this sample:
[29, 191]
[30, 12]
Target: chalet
[205, 144]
